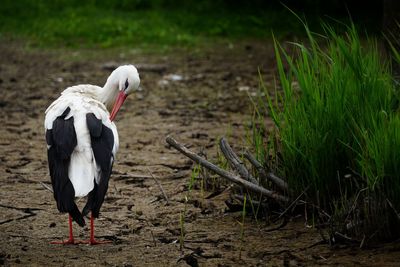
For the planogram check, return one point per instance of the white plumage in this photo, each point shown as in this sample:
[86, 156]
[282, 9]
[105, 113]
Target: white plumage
[82, 99]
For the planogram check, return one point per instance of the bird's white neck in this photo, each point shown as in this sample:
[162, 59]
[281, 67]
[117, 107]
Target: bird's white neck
[108, 93]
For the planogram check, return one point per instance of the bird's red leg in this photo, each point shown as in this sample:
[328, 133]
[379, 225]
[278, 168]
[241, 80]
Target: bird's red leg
[92, 241]
[70, 241]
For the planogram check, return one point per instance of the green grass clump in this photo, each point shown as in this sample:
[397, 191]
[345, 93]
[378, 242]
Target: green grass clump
[337, 117]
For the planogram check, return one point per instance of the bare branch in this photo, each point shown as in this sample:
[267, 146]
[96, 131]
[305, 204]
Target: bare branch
[235, 161]
[233, 178]
[270, 176]
[278, 181]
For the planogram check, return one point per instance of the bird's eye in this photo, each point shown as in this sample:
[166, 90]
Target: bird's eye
[126, 84]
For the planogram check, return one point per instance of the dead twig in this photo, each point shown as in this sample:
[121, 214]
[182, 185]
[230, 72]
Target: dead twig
[255, 202]
[28, 211]
[276, 180]
[320, 210]
[18, 219]
[235, 161]
[270, 176]
[135, 175]
[342, 237]
[353, 207]
[25, 210]
[152, 234]
[45, 186]
[321, 242]
[293, 203]
[363, 242]
[393, 208]
[233, 178]
[160, 186]
[281, 225]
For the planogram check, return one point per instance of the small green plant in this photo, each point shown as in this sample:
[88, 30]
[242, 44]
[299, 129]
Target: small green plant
[194, 175]
[242, 226]
[182, 228]
[263, 140]
[182, 215]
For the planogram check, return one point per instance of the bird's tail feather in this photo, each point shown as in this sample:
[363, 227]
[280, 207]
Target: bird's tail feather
[89, 204]
[77, 216]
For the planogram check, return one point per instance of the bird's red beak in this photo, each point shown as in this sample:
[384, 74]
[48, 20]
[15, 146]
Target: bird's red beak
[118, 103]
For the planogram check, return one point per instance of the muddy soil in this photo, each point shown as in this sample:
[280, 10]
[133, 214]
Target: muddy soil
[195, 97]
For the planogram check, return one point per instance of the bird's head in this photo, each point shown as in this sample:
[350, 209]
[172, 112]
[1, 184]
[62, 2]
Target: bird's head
[126, 79]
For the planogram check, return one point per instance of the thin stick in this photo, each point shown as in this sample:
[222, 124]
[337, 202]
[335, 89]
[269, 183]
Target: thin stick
[281, 225]
[270, 176]
[233, 178]
[293, 203]
[345, 237]
[159, 185]
[18, 219]
[353, 207]
[134, 175]
[393, 208]
[316, 207]
[235, 161]
[46, 187]
[241, 198]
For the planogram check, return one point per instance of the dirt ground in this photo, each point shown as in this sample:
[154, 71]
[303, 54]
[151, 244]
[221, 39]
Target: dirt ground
[195, 97]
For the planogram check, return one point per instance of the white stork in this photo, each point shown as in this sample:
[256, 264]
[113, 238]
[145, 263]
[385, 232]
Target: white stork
[82, 141]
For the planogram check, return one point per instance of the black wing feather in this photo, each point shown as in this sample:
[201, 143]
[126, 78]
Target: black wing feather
[94, 125]
[102, 141]
[62, 141]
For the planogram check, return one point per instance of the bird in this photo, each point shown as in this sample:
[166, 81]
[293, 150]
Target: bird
[82, 142]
